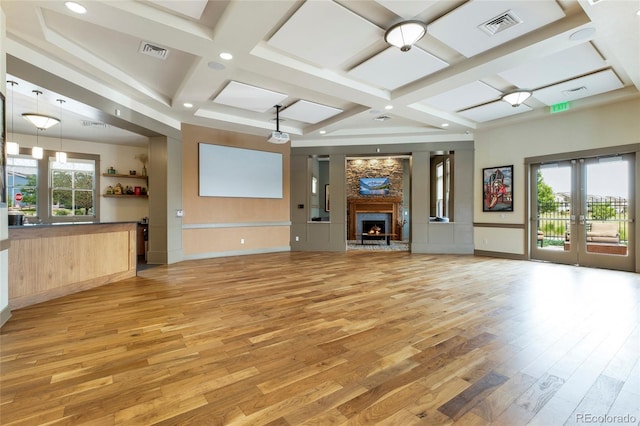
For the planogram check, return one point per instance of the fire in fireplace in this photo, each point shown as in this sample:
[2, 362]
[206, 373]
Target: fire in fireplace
[373, 227]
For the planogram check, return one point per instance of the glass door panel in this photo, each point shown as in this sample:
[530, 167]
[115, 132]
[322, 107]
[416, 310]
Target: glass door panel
[582, 212]
[552, 212]
[605, 206]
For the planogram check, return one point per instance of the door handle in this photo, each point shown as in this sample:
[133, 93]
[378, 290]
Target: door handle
[573, 219]
[581, 219]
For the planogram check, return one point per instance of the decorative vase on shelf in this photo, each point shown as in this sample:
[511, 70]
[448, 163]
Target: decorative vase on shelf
[144, 170]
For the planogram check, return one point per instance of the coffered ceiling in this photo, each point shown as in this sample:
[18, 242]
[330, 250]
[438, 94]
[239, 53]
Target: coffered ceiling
[326, 63]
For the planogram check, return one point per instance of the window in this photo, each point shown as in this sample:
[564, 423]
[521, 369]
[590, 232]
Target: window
[47, 191]
[442, 185]
[72, 187]
[439, 189]
[22, 177]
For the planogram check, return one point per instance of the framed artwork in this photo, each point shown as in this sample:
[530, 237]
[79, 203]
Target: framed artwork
[3, 154]
[326, 198]
[497, 189]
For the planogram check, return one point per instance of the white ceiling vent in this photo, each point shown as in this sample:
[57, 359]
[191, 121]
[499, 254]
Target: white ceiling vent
[382, 118]
[500, 23]
[149, 49]
[86, 123]
[574, 91]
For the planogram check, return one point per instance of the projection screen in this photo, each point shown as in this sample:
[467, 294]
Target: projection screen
[237, 172]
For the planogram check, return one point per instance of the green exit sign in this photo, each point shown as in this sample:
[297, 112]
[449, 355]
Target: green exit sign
[562, 106]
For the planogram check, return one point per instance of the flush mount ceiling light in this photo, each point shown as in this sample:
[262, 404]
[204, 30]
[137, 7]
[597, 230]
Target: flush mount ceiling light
[516, 97]
[405, 34]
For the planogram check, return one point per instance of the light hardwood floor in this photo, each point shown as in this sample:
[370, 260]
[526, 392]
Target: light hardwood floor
[361, 337]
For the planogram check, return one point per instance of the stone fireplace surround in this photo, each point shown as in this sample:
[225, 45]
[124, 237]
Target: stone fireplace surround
[362, 208]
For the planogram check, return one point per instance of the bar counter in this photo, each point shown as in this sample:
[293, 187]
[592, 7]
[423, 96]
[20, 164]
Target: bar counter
[52, 260]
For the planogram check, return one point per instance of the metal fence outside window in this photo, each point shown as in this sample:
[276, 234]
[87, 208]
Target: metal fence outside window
[554, 218]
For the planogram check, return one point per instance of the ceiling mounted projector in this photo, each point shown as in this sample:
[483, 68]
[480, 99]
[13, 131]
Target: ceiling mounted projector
[278, 136]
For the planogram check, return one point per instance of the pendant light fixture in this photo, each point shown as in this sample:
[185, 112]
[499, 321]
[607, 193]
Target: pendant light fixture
[61, 156]
[37, 151]
[12, 147]
[41, 121]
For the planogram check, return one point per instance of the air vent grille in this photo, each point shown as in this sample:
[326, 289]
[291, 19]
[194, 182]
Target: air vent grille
[574, 91]
[149, 49]
[382, 118]
[86, 123]
[500, 23]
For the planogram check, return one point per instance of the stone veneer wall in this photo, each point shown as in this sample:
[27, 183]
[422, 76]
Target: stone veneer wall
[374, 168]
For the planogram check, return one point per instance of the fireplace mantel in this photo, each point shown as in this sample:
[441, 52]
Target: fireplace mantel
[390, 205]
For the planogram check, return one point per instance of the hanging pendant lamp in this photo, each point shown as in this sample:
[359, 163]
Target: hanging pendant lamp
[41, 121]
[36, 152]
[61, 156]
[12, 146]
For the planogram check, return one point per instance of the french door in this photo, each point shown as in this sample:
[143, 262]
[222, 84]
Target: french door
[582, 212]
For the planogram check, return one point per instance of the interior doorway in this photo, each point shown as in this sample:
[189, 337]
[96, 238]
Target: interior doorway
[582, 211]
[377, 194]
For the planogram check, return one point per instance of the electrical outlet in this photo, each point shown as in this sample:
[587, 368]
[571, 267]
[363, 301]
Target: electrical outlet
[179, 213]
[241, 240]
[485, 241]
[297, 238]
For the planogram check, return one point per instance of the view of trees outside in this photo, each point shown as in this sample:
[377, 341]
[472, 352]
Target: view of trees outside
[607, 198]
[72, 186]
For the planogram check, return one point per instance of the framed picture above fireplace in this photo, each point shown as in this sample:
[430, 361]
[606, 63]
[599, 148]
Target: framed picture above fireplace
[374, 186]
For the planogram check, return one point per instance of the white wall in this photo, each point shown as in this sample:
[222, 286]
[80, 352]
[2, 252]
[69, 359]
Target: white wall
[4, 262]
[121, 157]
[606, 126]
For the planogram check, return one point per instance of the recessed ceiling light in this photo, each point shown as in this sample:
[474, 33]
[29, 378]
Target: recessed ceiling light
[188, 105]
[226, 56]
[445, 124]
[322, 132]
[388, 107]
[76, 7]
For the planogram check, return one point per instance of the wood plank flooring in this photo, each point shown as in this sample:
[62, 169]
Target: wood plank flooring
[362, 337]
